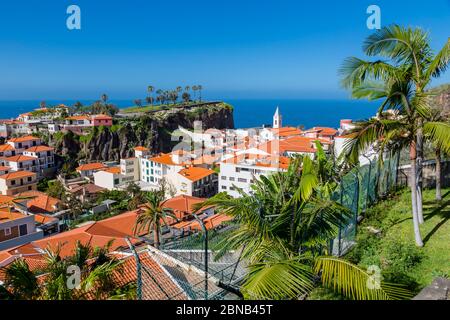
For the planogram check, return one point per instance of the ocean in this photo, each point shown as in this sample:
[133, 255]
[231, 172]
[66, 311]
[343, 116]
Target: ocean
[249, 112]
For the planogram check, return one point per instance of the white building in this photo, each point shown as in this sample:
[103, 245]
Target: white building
[111, 178]
[87, 170]
[44, 115]
[16, 182]
[277, 119]
[194, 181]
[45, 159]
[22, 143]
[242, 171]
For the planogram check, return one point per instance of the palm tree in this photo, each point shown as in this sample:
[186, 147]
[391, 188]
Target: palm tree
[283, 229]
[436, 115]
[199, 88]
[153, 216]
[396, 129]
[411, 59]
[194, 89]
[42, 104]
[186, 97]
[104, 98]
[20, 280]
[97, 269]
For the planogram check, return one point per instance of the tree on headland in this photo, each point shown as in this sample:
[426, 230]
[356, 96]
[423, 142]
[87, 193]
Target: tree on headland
[199, 88]
[104, 98]
[138, 102]
[42, 104]
[186, 97]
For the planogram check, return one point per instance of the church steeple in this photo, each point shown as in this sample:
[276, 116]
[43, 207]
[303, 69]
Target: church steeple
[277, 119]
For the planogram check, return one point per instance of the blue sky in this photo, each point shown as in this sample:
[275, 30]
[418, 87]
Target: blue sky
[234, 48]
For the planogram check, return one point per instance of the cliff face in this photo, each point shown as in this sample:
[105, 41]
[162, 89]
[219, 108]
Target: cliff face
[442, 98]
[149, 130]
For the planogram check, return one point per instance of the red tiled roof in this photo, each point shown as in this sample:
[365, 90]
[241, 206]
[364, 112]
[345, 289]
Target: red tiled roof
[6, 147]
[195, 173]
[91, 166]
[140, 148]
[20, 158]
[41, 202]
[39, 149]
[17, 174]
[24, 139]
[182, 205]
[114, 170]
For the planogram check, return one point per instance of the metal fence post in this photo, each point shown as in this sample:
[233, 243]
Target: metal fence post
[138, 269]
[205, 232]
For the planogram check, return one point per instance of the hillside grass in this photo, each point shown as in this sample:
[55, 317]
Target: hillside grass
[395, 251]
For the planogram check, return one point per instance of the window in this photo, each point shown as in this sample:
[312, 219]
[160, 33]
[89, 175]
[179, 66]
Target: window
[242, 180]
[238, 169]
[232, 179]
[224, 187]
[29, 188]
[7, 231]
[116, 181]
[224, 178]
[231, 188]
[29, 179]
[23, 230]
[13, 182]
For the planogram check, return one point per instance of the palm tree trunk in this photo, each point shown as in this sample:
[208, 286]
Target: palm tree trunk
[419, 173]
[438, 175]
[156, 236]
[413, 180]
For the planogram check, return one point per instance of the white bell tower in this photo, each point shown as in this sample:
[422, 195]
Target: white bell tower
[277, 119]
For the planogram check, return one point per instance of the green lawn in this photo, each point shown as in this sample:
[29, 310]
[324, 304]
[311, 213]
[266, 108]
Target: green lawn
[394, 250]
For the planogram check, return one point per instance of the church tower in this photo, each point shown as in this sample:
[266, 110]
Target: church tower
[277, 119]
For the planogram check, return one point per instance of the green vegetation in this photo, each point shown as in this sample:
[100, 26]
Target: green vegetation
[405, 118]
[393, 249]
[97, 276]
[283, 232]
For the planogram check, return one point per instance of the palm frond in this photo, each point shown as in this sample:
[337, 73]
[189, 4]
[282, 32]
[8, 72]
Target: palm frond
[353, 282]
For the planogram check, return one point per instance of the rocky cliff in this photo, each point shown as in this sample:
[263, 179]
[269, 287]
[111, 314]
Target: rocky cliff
[151, 130]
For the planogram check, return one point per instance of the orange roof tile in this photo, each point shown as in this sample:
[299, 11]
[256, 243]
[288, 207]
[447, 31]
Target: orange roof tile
[39, 149]
[41, 202]
[114, 170]
[44, 219]
[101, 117]
[10, 215]
[4, 199]
[24, 139]
[20, 158]
[287, 131]
[182, 205]
[6, 147]
[195, 173]
[81, 117]
[164, 158]
[4, 168]
[140, 148]
[17, 174]
[91, 166]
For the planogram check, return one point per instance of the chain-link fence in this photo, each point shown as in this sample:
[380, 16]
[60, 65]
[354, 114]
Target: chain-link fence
[188, 267]
[358, 190]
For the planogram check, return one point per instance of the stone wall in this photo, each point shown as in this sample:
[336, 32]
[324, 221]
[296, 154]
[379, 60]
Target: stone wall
[429, 174]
